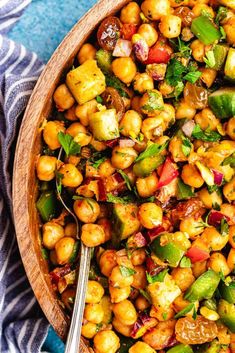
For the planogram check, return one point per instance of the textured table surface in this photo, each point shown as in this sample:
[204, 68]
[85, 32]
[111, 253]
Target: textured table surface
[41, 29]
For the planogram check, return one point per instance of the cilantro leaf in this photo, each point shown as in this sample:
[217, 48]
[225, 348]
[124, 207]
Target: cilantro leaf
[45, 253]
[174, 72]
[193, 76]
[145, 295]
[151, 150]
[209, 59]
[113, 81]
[205, 135]
[185, 262]
[154, 102]
[157, 278]
[59, 177]
[126, 179]
[123, 200]
[184, 311]
[186, 146]
[99, 99]
[69, 145]
[230, 160]
[224, 227]
[97, 163]
[194, 313]
[183, 191]
[212, 188]
[221, 14]
[181, 47]
[126, 271]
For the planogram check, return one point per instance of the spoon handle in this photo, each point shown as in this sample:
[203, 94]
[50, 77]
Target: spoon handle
[73, 339]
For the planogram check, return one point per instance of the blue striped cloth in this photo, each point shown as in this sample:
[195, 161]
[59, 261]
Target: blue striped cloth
[22, 324]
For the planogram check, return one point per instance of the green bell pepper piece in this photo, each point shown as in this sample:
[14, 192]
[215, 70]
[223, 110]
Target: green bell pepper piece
[226, 312]
[204, 286]
[180, 348]
[47, 205]
[227, 292]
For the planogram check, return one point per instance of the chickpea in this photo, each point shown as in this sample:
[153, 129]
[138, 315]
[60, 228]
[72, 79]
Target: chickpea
[149, 33]
[125, 312]
[191, 226]
[206, 119]
[67, 298]
[94, 292]
[152, 127]
[208, 76]
[229, 30]
[87, 52]
[165, 88]
[230, 128]
[214, 239]
[75, 160]
[130, 124]
[228, 210]
[94, 313]
[118, 280]
[140, 281]
[119, 294]
[87, 210]
[50, 133]
[150, 215]
[83, 111]
[138, 257]
[70, 230]
[151, 102]
[155, 9]
[191, 176]
[141, 303]
[162, 314]
[125, 69]
[106, 341]
[167, 115]
[170, 26]
[106, 169]
[184, 110]
[92, 235]
[160, 334]
[141, 347]
[200, 9]
[231, 259]
[107, 262]
[64, 250]
[72, 177]
[46, 167]
[89, 330]
[70, 114]
[107, 227]
[147, 187]
[177, 3]
[135, 104]
[51, 233]
[143, 82]
[199, 268]
[183, 277]
[63, 98]
[131, 13]
[208, 199]
[175, 147]
[229, 190]
[198, 50]
[231, 233]
[123, 157]
[79, 133]
[217, 262]
[125, 330]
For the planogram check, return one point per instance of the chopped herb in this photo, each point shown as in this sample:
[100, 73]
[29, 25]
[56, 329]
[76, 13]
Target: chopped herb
[221, 14]
[212, 188]
[210, 59]
[88, 200]
[59, 177]
[181, 47]
[183, 191]
[175, 71]
[113, 81]
[126, 178]
[178, 89]
[184, 311]
[123, 200]
[69, 145]
[185, 262]
[205, 135]
[224, 227]
[186, 146]
[97, 163]
[164, 316]
[216, 206]
[230, 160]
[98, 327]
[151, 150]
[45, 253]
[126, 271]
[223, 33]
[154, 102]
[192, 77]
[145, 295]
[99, 99]
[194, 313]
[157, 278]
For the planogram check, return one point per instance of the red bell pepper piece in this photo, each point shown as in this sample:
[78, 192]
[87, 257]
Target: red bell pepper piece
[168, 173]
[197, 255]
[160, 53]
[128, 30]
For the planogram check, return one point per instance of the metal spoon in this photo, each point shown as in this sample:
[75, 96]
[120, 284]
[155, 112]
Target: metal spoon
[74, 335]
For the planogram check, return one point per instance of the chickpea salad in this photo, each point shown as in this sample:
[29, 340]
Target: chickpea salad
[140, 147]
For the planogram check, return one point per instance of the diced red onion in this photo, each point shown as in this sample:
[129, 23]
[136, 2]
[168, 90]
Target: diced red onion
[112, 143]
[139, 240]
[218, 177]
[215, 217]
[144, 318]
[101, 190]
[123, 48]
[137, 326]
[141, 50]
[126, 143]
[188, 127]
[118, 178]
[171, 342]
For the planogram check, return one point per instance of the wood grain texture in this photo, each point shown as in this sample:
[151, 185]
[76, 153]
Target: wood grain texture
[27, 222]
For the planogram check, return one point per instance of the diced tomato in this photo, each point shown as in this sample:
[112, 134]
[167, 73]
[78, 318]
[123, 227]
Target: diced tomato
[168, 173]
[160, 53]
[197, 255]
[102, 190]
[152, 268]
[112, 143]
[128, 30]
[153, 233]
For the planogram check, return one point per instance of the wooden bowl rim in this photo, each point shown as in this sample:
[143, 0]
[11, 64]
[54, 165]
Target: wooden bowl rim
[24, 160]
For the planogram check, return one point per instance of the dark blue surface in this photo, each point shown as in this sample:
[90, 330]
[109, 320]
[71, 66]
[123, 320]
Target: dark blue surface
[41, 29]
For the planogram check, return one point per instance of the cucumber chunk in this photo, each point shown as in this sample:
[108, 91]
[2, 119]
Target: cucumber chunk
[226, 312]
[229, 69]
[227, 291]
[222, 102]
[147, 165]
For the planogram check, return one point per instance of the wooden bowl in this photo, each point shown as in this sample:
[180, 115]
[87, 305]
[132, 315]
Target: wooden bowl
[28, 148]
